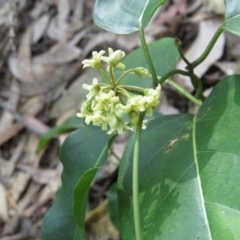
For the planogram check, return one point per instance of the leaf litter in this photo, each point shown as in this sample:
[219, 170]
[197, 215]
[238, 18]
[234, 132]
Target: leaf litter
[42, 46]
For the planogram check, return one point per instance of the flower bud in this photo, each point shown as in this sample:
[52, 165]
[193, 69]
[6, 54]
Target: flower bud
[116, 57]
[141, 72]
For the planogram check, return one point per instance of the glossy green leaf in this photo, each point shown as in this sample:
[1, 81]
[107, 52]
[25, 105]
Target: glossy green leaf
[113, 205]
[79, 153]
[124, 16]
[71, 123]
[81, 196]
[83, 185]
[164, 55]
[189, 173]
[232, 15]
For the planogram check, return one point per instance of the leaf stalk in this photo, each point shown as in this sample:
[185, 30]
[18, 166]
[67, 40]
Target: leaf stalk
[135, 184]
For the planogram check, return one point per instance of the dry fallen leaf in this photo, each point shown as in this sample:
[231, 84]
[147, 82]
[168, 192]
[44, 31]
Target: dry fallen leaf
[39, 8]
[59, 27]
[56, 31]
[39, 27]
[232, 46]
[43, 176]
[72, 97]
[58, 54]
[24, 57]
[98, 223]
[8, 166]
[227, 67]
[6, 117]
[3, 204]
[9, 132]
[165, 107]
[51, 85]
[18, 184]
[217, 6]
[97, 39]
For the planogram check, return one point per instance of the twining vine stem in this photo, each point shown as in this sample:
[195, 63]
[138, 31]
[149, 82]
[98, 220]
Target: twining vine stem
[136, 208]
[190, 66]
[171, 73]
[208, 48]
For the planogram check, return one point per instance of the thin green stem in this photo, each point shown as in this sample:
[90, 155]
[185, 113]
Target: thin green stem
[171, 73]
[133, 89]
[123, 92]
[199, 93]
[179, 47]
[124, 74]
[196, 84]
[184, 92]
[136, 209]
[208, 48]
[106, 76]
[106, 88]
[112, 75]
[148, 58]
[194, 81]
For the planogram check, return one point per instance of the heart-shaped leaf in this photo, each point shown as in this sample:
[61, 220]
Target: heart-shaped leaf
[232, 21]
[79, 153]
[164, 55]
[189, 172]
[124, 16]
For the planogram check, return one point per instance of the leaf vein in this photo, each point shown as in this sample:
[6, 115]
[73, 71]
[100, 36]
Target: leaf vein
[198, 175]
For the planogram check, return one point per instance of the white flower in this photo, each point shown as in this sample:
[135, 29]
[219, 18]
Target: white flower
[98, 118]
[93, 89]
[151, 99]
[120, 110]
[116, 124]
[105, 100]
[85, 110]
[95, 62]
[135, 103]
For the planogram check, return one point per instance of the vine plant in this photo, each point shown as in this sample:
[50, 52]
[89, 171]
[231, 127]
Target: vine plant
[179, 177]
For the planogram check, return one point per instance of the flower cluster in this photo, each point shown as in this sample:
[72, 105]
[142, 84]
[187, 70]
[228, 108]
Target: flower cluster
[104, 108]
[113, 107]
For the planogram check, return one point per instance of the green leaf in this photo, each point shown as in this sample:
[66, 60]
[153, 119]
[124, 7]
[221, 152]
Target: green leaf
[232, 17]
[81, 197]
[124, 16]
[79, 153]
[70, 124]
[189, 172]
[113, 205]
[83, 185]
[164, 55]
